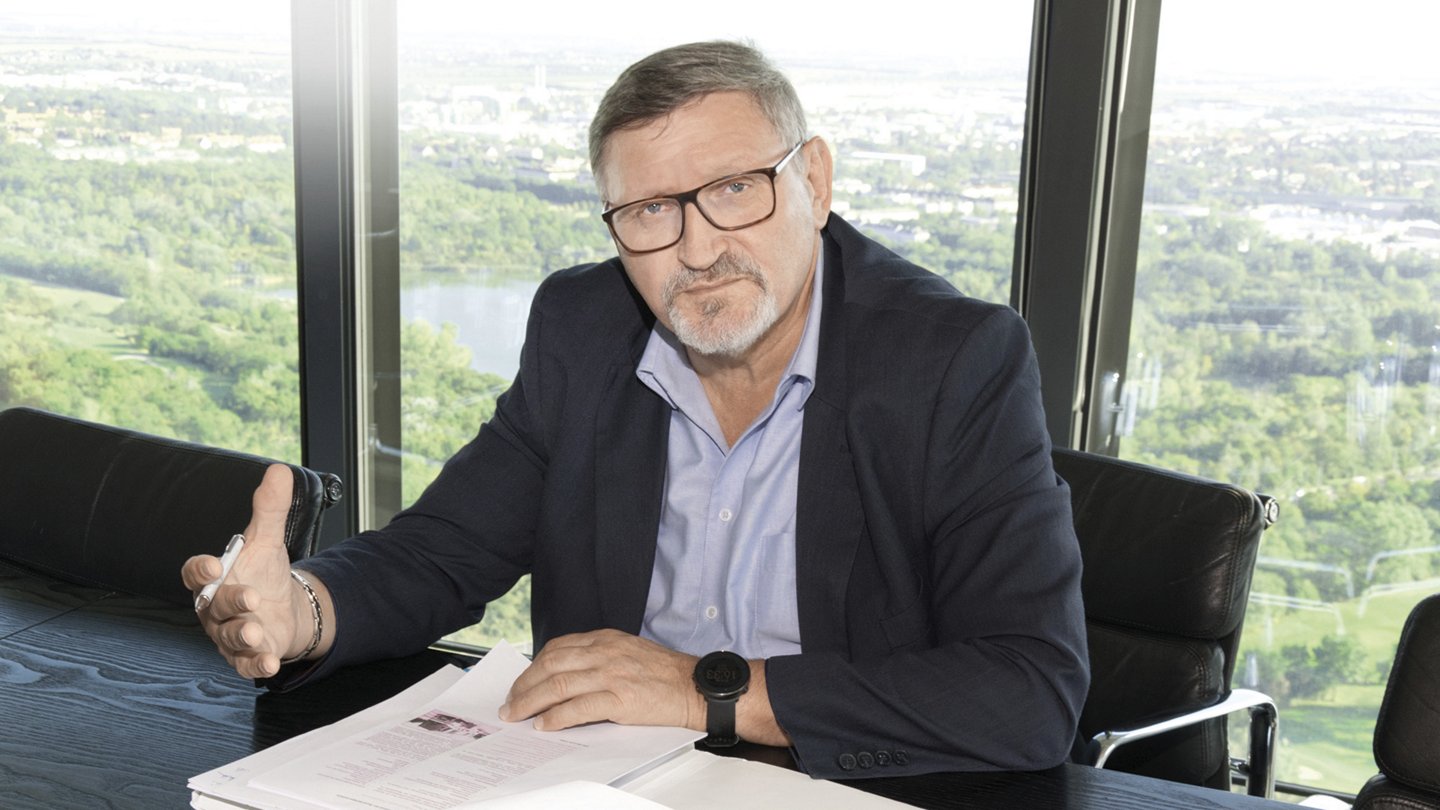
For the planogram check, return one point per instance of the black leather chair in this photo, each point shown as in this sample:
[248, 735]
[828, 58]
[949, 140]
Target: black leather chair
[121, 510]
[1168, 560]
[1407, 731]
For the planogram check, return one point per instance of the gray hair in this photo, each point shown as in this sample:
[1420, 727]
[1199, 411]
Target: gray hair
[667, 80]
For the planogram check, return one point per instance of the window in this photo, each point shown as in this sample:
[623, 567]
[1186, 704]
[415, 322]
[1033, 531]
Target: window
[1286, 333]
[496, 192]
[147, 261]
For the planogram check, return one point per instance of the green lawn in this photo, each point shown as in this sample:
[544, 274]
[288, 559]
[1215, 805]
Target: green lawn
[83, 322]
[1326, 741]
[83, 316]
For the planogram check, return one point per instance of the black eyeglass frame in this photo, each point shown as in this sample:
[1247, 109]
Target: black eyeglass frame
[693, 196]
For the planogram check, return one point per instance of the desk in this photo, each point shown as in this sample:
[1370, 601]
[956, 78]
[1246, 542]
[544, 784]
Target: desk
[111, 700]
[30, 600]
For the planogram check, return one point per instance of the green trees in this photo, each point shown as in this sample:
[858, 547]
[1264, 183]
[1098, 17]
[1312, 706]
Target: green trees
[1301, 672]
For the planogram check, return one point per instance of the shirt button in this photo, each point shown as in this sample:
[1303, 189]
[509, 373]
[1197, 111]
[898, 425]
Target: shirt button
[882, 758]
[866, 759]
[847, 762]
[726, 514]
[902, 757]
[711, 612]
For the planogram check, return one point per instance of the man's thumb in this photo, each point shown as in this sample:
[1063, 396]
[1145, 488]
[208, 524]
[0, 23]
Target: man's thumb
[270, 507]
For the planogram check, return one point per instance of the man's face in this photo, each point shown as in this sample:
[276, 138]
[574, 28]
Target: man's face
[723, 293]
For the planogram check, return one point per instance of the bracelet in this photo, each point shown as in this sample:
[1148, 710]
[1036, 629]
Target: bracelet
[314, 612]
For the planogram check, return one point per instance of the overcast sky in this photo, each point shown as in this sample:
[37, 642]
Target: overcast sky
[1380, 38]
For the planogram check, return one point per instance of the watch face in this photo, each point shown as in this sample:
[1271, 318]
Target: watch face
[722, 675]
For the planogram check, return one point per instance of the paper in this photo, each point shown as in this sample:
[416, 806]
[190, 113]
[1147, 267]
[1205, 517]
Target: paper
[229, 785]
[439, 746]
[699, 780]
[589, 795]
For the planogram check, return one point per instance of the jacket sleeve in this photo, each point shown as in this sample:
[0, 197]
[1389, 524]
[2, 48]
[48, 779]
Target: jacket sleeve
[464, 542]
[998, 672]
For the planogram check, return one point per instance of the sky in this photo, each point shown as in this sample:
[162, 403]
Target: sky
[1314, 38]
[1377, 38]
[769, 23]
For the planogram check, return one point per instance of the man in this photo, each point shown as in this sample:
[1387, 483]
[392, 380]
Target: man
[755, 431]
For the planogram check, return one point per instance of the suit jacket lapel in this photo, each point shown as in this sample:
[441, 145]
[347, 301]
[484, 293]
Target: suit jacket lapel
[632, 432]
[828, 518]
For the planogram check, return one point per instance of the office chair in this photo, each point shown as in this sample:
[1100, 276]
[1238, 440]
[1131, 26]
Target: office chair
[1407, 731]
[122, 510]
[1168, 559]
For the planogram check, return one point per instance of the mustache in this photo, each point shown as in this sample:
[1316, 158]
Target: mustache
[727, 265]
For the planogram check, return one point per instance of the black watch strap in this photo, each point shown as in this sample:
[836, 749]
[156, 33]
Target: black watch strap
[720, 723]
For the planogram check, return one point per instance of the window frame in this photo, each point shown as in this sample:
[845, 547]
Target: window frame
[347, 253]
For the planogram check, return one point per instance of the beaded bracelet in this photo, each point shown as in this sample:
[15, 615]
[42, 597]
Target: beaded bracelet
[315, 612]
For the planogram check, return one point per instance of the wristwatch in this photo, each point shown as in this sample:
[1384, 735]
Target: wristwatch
[722, 677]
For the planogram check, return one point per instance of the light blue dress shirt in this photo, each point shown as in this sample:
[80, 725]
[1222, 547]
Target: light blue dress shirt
[724, 576]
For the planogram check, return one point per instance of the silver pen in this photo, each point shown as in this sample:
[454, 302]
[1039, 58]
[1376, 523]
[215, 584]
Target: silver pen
[227, 561]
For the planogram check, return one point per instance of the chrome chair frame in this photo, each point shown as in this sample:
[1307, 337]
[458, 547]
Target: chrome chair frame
[1258, 770]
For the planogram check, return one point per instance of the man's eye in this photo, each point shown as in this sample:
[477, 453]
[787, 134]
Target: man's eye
[654, 208]
[737, 186]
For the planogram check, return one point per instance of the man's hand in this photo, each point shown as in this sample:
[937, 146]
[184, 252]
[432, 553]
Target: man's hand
[607, 675]
[254, 617]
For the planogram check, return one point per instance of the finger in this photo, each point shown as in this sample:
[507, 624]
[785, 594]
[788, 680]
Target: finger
[260, 665]
[233, 600]
[264, 665]
[552, 661]
[270, 507]
[553, 689]
[591, 707]
[199, 571]
[240, 636]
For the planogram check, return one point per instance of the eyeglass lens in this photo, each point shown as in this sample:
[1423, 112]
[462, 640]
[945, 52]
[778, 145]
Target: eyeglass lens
[731, 203]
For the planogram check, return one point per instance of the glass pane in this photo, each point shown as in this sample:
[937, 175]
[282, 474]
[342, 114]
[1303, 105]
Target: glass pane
[1286, 334]
[496, 192]
[147, 258]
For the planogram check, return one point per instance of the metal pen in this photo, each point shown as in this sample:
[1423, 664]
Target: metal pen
[227, 561]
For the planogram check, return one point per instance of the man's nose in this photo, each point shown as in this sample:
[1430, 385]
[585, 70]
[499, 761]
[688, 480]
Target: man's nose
[700, 243]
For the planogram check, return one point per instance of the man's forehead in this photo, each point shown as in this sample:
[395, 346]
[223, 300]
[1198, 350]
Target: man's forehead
[706, 138]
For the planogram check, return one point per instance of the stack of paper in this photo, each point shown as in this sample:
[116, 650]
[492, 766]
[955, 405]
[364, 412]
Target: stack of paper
[438, 744]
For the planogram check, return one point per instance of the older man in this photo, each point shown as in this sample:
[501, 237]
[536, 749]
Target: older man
[755, 441]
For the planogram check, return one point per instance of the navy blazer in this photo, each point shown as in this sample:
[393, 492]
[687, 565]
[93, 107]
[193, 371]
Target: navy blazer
[937, 571]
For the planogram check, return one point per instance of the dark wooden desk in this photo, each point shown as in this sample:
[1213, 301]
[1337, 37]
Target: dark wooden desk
[109, 700]
[29, 600]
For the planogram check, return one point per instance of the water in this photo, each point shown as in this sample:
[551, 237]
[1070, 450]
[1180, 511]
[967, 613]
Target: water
[490, 317]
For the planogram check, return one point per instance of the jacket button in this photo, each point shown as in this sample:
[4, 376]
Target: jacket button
[882, 758]
[902, 757]
[866, 759]
[847, 762]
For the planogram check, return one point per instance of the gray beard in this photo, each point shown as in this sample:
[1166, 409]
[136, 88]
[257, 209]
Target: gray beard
[704, 334]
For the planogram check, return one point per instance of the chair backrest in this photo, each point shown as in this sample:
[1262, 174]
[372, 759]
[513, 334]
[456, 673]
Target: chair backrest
[121, 510]
[1168, 560]
[1407, 731]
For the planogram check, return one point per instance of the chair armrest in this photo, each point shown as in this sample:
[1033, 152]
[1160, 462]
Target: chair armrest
[1264, 719]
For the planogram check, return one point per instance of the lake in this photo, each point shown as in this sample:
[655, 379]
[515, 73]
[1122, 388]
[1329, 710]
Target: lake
[490, 317]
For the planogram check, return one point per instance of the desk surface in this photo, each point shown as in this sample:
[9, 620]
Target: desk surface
[115, 701]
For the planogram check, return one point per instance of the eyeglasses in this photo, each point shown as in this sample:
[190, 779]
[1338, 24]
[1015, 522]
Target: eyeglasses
[731, 203]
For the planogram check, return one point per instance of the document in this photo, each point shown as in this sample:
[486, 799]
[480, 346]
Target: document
[439, 744]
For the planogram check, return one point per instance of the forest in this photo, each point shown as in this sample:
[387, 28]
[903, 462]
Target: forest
[159, 294]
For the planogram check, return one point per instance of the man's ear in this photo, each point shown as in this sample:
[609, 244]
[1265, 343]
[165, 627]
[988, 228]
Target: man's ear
[819, 171]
